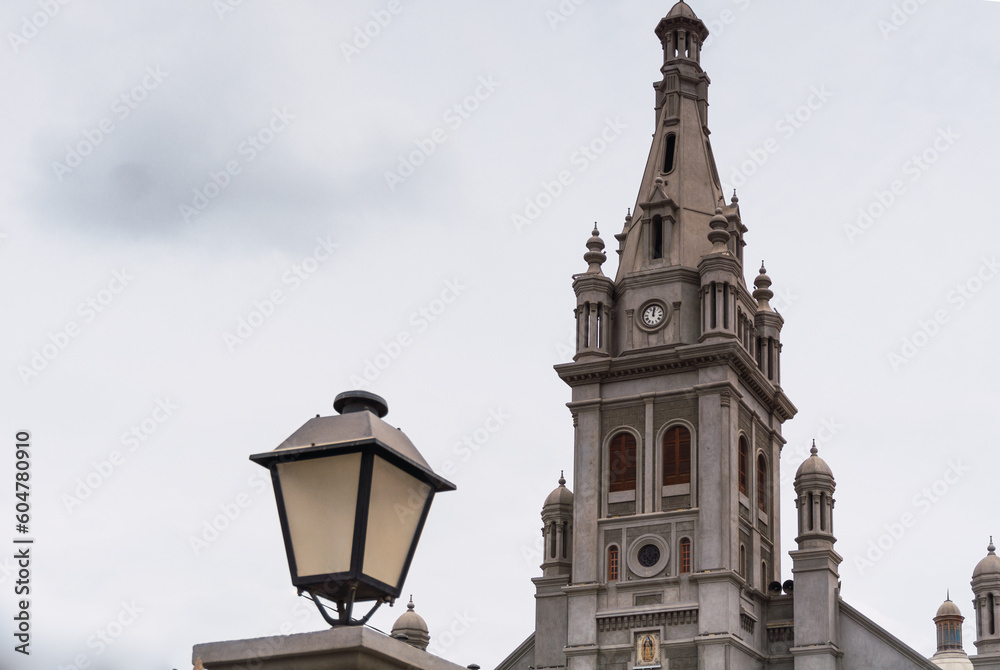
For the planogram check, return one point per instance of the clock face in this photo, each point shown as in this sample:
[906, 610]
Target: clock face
[652, 315]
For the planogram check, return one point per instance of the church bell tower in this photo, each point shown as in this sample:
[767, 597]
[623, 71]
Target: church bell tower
[677, 407]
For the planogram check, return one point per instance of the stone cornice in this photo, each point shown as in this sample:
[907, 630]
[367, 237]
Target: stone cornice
[685, 357]
[657, 277]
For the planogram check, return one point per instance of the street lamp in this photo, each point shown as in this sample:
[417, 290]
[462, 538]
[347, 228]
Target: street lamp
[353, 493]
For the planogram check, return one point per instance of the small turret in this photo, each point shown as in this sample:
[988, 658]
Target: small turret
[767, 324]
[557, 528]
[986, 588]
[551, 622]
[950, 653]
[593, 303]
[815, 566]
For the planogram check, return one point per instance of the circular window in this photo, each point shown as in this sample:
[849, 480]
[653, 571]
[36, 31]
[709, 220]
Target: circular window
[648, 556]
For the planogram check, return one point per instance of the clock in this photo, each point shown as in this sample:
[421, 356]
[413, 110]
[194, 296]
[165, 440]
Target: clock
[652, 315]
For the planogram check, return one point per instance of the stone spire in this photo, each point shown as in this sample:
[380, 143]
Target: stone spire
[680, 185]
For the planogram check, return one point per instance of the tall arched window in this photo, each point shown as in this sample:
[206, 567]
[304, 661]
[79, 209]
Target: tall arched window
[762, 483]
[744, 458]
[612, 563]
[622, 462]
[743, 561]
[991, 613]
[763, 576]
[677, 456]
[685, 556]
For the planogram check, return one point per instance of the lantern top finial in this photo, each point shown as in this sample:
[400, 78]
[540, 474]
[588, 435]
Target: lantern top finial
[360, 401]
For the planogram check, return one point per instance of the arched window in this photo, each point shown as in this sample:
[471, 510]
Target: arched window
[743, 561]
[685, 556]
[763, 576]
[612, 563]
[677, 456]
[991, 613]
[622, 462]
[744, 457]
[762, 483]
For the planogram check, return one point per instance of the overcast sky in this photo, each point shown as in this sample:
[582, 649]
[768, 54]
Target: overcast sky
[212, 224]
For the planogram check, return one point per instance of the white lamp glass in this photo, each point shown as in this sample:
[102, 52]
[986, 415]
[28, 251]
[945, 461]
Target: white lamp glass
[321, 497]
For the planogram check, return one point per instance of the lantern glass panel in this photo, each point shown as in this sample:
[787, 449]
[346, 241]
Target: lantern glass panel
[321, 498]
[397, 504]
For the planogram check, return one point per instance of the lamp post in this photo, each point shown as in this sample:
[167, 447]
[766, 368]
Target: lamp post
[353, 494]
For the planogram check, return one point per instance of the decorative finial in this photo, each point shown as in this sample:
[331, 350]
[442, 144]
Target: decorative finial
[735, 200]
[719, 236]
[948, 598]
[992, 548]
[763, 292]
[409, 605]
[814, 451]
[595, 254]
[562, 479]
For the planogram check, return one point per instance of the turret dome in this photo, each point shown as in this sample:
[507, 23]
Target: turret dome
[560, 495]
[814, 465]
[989, 565]
[948, 608]
[413, 627]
